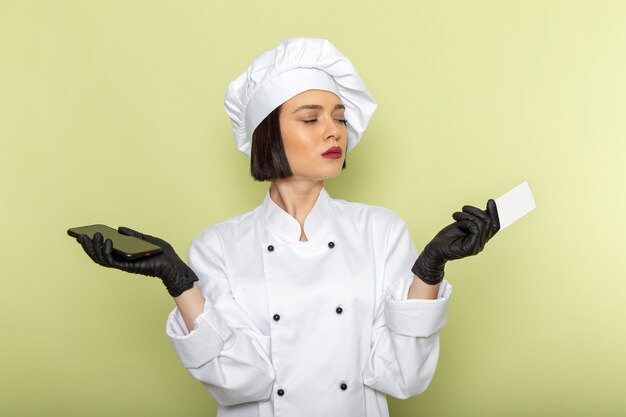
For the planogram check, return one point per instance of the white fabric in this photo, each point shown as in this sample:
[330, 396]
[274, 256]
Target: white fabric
[294, 66]
[381, 343]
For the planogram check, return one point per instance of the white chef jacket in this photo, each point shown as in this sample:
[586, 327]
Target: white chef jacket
[321, 328]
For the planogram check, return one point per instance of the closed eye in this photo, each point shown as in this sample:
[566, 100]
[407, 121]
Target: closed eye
[311, 121]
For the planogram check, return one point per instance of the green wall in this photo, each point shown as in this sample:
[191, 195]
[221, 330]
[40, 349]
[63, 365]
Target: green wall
[111, 111]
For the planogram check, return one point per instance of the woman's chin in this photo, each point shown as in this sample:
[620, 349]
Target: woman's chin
[331, 173]
[317, 174]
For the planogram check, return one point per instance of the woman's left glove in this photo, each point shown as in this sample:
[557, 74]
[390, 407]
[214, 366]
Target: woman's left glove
[175, 274]
[465, 237]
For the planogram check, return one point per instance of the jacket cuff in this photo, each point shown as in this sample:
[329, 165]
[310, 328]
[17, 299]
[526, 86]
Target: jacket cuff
[205, 342]
[414, 317]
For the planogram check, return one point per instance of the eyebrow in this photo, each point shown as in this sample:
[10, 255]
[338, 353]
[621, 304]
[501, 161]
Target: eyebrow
[317, 107]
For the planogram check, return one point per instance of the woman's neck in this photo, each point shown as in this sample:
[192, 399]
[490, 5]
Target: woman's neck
[296, 197]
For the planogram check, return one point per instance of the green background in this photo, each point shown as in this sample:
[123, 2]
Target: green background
[112, 112]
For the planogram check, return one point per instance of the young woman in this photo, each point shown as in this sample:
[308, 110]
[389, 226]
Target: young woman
[306, 305]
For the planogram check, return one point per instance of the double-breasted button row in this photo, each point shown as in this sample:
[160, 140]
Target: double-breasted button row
[270, 248]
[338, 310]
[343, 386]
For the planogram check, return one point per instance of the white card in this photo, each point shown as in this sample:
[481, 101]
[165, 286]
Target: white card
[515, 204]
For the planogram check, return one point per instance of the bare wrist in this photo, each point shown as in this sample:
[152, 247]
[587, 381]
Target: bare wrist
[421, 290]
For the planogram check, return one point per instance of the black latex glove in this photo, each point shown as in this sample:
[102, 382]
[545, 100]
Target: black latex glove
[175, 274]
[465, 237]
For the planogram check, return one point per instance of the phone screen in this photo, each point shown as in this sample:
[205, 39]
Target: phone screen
[128, 247]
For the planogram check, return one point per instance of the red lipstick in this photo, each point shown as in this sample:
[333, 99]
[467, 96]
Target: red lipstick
[333, 152]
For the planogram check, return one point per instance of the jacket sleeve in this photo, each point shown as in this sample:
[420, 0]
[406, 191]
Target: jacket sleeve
[405, 334]
[225, 351]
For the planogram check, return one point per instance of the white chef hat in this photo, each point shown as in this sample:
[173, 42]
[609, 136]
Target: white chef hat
[294, 66]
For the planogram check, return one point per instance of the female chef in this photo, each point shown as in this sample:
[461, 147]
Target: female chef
[306, 305]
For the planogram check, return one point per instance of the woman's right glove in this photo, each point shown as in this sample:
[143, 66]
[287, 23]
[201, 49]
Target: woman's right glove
[175, 274]
[465, 237]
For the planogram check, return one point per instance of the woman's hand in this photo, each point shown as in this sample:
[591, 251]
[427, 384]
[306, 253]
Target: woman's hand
[175, 274]
[465, 237]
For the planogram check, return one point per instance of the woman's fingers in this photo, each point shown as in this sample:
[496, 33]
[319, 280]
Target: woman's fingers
[480, 231]
[471, 241]
[107, 253]
[98, 243]
[130, 232]
[461, 216]
[492, 210]
[468, 226]
[489, 217]
[474, 211]
[87, 245]
[101, 250]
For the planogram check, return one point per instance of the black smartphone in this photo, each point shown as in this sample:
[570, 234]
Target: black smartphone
[127, 247]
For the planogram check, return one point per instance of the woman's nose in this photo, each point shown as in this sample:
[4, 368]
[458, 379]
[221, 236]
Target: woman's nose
[331, 130]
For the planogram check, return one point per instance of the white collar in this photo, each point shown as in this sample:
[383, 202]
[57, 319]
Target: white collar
[288, 227]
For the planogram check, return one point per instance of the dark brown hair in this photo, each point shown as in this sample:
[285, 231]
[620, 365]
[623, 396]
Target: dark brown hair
[268, 160]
